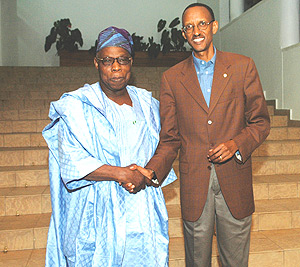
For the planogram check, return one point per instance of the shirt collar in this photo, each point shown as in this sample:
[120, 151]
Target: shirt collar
[201, 63]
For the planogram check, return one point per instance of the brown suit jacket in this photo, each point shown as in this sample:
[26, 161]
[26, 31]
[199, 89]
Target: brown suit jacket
[237, 111]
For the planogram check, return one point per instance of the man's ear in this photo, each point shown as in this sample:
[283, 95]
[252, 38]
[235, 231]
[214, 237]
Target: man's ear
[96, 63]
[183, 34]
[215, 26]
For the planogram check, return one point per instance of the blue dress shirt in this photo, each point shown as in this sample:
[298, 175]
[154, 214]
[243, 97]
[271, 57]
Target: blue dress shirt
[205, 73]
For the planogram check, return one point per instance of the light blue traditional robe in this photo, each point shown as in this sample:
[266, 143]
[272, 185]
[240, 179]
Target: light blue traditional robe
[100, 223]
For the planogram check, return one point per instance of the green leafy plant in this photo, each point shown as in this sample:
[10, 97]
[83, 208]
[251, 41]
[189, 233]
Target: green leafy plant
[64, 37]
[138, 43]
[153, 49]
[171, 37]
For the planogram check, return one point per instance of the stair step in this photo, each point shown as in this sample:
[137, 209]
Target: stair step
[25, 200]
[271, 109]
[24, 114]
[13, 104]
[279, 120]
[27, 185]
[24, 232]
[276, 186]
[268, 148]
[276, 214]
[23, 156]
[24, 176]
[282, 248]
[267, 248]
[269, 165]
[278, 148]
[284, 133]
[22, 140]
[39, 78]
[269, 215]
[264, 187]
[31, 94]
[23, 258]
[276, 165]
[23, 126]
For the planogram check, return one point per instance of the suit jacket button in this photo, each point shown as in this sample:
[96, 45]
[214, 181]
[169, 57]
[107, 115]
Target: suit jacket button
[209, 122]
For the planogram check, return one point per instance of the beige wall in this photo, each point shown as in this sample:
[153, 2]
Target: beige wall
[291, 79]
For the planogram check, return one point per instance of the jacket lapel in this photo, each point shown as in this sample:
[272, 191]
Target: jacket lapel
[222, 75]
[191, 83]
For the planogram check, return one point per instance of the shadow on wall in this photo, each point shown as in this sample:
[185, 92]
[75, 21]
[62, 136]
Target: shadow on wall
[250, 3]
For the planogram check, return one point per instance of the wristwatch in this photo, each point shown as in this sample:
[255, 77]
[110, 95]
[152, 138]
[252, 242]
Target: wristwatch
[154, 178]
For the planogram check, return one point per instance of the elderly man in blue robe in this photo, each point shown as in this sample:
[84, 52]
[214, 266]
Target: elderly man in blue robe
[104, 211]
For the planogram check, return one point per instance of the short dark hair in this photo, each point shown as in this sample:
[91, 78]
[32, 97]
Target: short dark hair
[201, 5]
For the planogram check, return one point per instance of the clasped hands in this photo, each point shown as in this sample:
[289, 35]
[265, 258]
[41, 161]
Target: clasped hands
[138, 179]
[222, 152]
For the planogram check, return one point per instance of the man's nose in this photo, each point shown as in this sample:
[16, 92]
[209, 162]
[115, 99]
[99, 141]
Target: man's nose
[196, 30]
[116, 66]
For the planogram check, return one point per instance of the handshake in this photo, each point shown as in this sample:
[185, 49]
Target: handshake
[136, 178]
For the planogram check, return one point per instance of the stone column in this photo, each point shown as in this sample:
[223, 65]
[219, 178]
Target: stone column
[289, 32]
[236, 8]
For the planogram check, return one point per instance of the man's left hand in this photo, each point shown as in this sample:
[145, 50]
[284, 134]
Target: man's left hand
[222, 152]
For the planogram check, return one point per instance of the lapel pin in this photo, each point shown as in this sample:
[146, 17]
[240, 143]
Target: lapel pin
[225, 75]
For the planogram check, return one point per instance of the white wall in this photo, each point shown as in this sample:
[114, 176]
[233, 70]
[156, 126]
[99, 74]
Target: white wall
[256, 33]
[33, 19]
[291, 79]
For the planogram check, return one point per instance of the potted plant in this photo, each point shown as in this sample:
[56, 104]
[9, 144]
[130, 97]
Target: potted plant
[64, 37]
[171, 37]
[168, 52]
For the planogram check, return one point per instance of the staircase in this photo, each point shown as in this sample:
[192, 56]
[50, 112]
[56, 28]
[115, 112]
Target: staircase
[25, 206]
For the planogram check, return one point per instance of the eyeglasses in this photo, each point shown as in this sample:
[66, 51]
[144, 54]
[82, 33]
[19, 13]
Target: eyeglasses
[202, 25]
[108, 61]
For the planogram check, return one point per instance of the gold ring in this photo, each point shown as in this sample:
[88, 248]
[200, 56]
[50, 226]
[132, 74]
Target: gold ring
[220, 157]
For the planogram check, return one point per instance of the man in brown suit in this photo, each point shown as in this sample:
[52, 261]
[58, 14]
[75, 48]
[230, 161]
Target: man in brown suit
[213, 109]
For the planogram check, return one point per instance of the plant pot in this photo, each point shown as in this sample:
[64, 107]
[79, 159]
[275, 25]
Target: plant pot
[78, 58]
[168, 60]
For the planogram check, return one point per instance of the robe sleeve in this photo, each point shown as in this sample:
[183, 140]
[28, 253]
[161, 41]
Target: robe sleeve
[75, 162]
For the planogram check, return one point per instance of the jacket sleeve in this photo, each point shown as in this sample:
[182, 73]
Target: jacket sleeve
[256, 114]
[169, 143]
